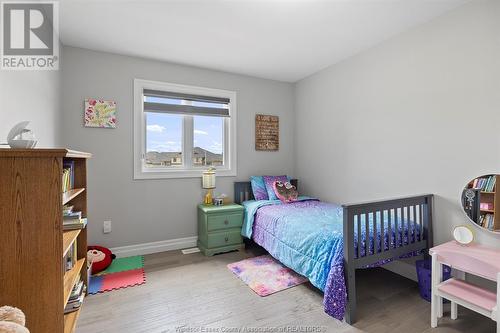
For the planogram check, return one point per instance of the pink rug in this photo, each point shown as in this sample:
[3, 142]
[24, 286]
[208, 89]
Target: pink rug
[265, 275]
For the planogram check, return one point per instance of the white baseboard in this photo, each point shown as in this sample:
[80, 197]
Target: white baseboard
[155, 247]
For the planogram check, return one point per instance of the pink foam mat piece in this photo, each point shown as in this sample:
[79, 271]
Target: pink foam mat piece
[124, 279]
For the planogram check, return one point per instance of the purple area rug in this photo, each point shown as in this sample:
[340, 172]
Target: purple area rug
[265, 275]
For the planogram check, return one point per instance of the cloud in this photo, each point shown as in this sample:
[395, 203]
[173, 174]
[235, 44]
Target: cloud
[216, 147]
[164, 146]
[155, 128]
[200, 132]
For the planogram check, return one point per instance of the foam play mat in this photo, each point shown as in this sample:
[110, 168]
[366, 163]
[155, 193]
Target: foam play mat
[124, 264]
[122, 273]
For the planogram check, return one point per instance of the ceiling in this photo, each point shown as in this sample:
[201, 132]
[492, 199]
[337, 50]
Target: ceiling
[284, 40]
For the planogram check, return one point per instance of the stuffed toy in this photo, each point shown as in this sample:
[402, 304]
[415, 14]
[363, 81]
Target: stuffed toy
[12, 320]
[100, 257]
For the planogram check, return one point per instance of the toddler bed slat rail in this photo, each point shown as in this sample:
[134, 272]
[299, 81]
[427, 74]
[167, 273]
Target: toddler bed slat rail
[407, 232]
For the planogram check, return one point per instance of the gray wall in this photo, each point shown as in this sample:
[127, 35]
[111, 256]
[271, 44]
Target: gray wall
[34, 96]
[154, 210]
[418, 113]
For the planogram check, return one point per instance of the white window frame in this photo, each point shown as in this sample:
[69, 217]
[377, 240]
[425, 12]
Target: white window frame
[187, 170]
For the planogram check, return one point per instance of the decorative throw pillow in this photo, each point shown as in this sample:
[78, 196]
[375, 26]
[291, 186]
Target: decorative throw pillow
[259, 188]
[286, 192]
[269, 181]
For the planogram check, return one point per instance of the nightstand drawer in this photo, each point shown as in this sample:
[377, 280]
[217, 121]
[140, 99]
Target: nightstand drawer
[218, 239]
[218, 222]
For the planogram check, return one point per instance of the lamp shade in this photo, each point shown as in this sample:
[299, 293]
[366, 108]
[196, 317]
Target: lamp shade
[208, 179]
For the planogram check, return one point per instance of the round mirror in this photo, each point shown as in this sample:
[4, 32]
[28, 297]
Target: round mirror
[480, 200]
[463, 234]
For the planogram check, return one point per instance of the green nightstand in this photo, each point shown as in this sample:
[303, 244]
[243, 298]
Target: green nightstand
[219, 228]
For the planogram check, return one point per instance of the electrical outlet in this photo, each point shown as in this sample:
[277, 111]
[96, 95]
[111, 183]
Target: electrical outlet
[107, 227]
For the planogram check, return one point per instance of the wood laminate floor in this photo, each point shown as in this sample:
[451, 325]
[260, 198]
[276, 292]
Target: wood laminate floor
[194, 293]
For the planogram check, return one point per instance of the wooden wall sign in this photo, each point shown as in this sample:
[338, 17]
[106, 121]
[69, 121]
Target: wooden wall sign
[267, 132]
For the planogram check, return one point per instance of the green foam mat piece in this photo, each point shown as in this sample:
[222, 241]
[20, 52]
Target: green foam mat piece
[124, 264]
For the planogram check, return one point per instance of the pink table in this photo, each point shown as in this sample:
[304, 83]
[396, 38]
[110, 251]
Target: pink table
[473, 259]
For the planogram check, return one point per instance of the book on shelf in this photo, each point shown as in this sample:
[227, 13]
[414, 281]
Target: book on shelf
[486, 206]
[67, 209]
[75, 303]
[76, 291]
[65, 180]
[492, 185]
[71, 257]
[68, 175]
[74, 224]
[74, 306]
[72, 215]
[486, 221]
[485, 184]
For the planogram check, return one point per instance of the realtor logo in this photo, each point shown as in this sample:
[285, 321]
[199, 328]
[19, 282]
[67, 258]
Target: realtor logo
[29, 36]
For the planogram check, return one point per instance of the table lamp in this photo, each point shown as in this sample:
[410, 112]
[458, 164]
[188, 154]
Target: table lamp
[208, 183]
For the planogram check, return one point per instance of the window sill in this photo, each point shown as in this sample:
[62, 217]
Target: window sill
[168, 174]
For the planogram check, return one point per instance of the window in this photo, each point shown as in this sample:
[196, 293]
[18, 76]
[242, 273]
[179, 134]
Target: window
[179, 131]
[208, 138]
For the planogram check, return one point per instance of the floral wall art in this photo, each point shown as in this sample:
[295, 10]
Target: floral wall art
[100, 113]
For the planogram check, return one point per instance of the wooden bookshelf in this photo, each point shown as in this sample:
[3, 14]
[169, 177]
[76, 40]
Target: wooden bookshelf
[71, 194]
[493, 198]
[68, 239]
[71, 277]
[32, 237]
[70, 320]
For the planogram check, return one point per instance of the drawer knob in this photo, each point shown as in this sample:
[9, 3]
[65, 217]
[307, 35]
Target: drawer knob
[226, 222]
[226, 239]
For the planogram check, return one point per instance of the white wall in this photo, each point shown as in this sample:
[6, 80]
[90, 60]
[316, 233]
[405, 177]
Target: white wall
[419, 113]
[155, 210]
[34, 96]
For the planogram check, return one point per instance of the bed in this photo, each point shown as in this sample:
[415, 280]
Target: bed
[327, 243]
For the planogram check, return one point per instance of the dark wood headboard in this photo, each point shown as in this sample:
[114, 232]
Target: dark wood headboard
[243, 190]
